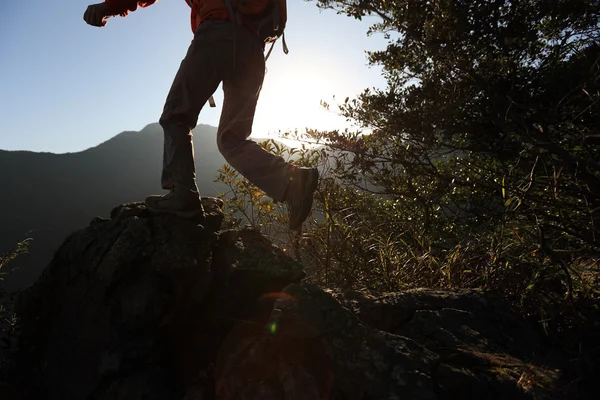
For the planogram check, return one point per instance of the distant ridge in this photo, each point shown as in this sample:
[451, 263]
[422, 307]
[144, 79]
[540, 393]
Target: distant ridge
[47, 196]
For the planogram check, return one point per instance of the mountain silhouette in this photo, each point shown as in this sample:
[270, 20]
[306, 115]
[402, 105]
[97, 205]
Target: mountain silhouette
[47, 196]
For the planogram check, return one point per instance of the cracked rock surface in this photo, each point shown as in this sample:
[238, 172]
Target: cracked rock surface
[316, 349]
[149, 307]
[135, 307]
[485, 350]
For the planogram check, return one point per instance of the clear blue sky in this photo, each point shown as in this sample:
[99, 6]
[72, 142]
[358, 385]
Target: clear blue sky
[66, 86]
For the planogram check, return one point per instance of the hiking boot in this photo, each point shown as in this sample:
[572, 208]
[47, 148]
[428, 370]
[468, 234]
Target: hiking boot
[180, 201]
[299, 195]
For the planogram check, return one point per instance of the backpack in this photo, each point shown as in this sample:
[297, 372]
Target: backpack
[267, 17]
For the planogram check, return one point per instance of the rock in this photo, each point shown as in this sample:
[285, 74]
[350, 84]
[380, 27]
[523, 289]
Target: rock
[145, 306]
[485, 349]
[136, 305]
[472, 316]
[313, 348]
[418, 344]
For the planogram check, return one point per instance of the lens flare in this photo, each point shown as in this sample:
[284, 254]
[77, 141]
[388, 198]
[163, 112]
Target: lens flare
[273, 328]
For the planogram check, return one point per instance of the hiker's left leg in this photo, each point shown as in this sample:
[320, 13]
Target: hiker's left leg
[268, 172]
[206, 62]
[208, 59]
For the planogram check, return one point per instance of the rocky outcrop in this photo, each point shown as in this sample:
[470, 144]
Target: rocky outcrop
[484, 349]
[314, 348]
[135, 307]
[419, 344]
[142, 306]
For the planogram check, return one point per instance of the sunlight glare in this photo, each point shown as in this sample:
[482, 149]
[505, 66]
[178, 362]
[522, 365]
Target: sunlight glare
[290, 100]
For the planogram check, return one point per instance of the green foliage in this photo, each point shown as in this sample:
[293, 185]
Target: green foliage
[246, 205]
[8, 321]
[20, 248]
[481, 131]
[474, 167]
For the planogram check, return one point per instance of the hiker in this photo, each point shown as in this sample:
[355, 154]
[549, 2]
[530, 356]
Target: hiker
[227, 47]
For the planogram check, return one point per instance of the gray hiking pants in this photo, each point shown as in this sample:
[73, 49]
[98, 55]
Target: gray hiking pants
[216, 56]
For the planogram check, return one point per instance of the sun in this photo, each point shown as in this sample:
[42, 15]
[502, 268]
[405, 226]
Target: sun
[291, 99]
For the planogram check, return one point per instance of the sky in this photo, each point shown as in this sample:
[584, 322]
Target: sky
[66, 86]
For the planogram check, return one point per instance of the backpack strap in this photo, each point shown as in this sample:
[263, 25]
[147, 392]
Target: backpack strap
[283, 43]
[236, 18]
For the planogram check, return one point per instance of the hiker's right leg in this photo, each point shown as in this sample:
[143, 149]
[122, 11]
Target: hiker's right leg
[241, 89]
[280, 180]
[207, 61]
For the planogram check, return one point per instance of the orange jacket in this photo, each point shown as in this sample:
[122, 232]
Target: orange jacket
[201, 9]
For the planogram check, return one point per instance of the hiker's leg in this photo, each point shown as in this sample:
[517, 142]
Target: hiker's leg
[268, 172]
[208, 59]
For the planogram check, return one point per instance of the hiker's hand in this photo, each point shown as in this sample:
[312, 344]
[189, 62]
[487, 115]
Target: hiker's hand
[96, 14]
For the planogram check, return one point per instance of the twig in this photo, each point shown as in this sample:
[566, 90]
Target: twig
[545, 248]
